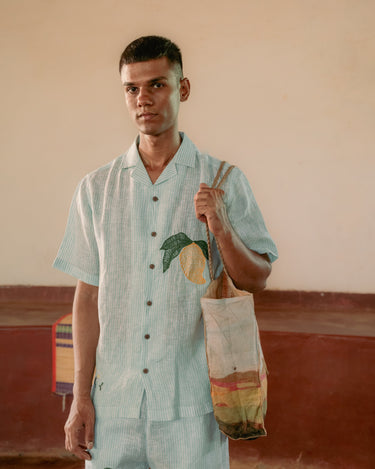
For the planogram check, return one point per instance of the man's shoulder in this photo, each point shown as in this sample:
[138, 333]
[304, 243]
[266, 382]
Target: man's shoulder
[206, 159]
[99, 176]
[209, 166]
[212, 164]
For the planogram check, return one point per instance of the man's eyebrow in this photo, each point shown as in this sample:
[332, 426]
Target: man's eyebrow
[150, 82]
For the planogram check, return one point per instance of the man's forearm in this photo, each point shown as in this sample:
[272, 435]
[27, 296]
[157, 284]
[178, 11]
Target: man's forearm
[85, 337]
[248, 269]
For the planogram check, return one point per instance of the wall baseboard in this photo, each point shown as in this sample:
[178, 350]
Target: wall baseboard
[36, 294]
[315, 301]
[266, 300]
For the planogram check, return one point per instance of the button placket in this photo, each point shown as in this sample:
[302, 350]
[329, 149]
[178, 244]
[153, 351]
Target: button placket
[146, 338]
[151, 266]
[153, 247]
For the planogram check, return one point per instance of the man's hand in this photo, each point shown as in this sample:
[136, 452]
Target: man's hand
[210, 207]
[248, 269]
[79, 428]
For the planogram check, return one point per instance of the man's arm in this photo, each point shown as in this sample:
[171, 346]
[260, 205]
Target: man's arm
[79, 428]
[248, 269]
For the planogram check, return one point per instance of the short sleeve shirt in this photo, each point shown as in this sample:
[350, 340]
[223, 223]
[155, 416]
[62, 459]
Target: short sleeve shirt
[143, 246]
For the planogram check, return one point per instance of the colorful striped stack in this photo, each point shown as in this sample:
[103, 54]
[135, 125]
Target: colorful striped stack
[62, 355]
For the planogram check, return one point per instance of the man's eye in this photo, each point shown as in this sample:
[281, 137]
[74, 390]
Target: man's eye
[158, 85]
[131, 89]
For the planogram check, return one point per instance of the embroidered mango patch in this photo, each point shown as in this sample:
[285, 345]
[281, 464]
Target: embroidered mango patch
[193, 262]
[192, 256]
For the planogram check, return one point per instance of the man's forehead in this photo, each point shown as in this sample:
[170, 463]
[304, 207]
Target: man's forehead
[149, 70]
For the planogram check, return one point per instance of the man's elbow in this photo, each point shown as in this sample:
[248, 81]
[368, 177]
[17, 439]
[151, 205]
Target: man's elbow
[257, 287]
[259, 283]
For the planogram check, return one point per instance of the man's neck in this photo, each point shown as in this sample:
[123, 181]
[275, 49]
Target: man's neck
[157, 151]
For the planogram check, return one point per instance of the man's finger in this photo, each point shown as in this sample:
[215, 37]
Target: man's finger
[207, 189]
[67, 442]
[81, 453]
[71, 439]
[89, 435]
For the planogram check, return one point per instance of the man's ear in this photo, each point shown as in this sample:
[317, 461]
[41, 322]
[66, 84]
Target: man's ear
[184, 89]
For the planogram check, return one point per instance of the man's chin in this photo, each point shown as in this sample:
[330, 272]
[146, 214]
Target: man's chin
[149, 132]
[153, 131]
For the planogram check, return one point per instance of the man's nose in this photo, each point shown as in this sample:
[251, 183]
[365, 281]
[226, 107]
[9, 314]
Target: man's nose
[144, 97]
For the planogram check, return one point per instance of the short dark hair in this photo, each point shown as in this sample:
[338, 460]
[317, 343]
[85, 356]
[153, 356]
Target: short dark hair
[151, 48]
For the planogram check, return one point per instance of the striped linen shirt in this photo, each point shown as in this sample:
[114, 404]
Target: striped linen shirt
[143, 246]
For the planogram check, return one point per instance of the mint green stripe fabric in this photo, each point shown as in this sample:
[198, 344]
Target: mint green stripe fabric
[189, 443]
[151, 330]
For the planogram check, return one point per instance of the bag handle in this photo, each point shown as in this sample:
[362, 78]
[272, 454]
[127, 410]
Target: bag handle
[216, 185]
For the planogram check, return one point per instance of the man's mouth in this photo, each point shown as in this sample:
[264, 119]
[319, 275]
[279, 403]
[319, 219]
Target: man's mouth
[146, 115]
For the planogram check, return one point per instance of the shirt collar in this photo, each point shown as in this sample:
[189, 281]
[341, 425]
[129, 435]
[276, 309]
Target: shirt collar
[185, 154]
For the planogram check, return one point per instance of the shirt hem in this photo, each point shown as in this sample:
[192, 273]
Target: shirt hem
[61, 264]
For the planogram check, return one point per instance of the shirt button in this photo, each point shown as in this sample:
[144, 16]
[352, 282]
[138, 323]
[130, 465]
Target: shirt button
[155, 199]
[152, 266]
[145, 371]
[153, 234]
[147, 336]
[149, 303]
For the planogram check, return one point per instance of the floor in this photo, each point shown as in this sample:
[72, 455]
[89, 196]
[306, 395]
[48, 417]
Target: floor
[33, 463]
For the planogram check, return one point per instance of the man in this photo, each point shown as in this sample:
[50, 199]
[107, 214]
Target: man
[135, 240]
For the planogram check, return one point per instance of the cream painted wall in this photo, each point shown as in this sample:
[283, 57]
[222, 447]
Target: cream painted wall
[284, 89]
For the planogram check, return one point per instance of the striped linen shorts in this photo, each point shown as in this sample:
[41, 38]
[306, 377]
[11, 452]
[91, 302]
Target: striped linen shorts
[186, 443]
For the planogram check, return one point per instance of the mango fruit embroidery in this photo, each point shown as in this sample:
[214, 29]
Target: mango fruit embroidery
[193, 262]
[192, 256]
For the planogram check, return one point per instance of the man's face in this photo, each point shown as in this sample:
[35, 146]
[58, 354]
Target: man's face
[153, 92]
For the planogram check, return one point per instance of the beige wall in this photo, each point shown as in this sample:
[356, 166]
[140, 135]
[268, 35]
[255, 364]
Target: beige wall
[283, 89]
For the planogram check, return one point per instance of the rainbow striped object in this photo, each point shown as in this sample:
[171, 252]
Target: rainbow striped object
[62, 356]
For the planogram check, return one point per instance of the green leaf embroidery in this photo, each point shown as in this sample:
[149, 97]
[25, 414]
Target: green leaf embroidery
[174, 245]
[179, 239]
[169, 255]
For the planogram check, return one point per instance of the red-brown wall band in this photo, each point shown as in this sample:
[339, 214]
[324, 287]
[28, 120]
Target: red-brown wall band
[321, 404]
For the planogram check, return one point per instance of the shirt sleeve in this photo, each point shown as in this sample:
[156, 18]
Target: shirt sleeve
[78, 254]
[245, 216]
